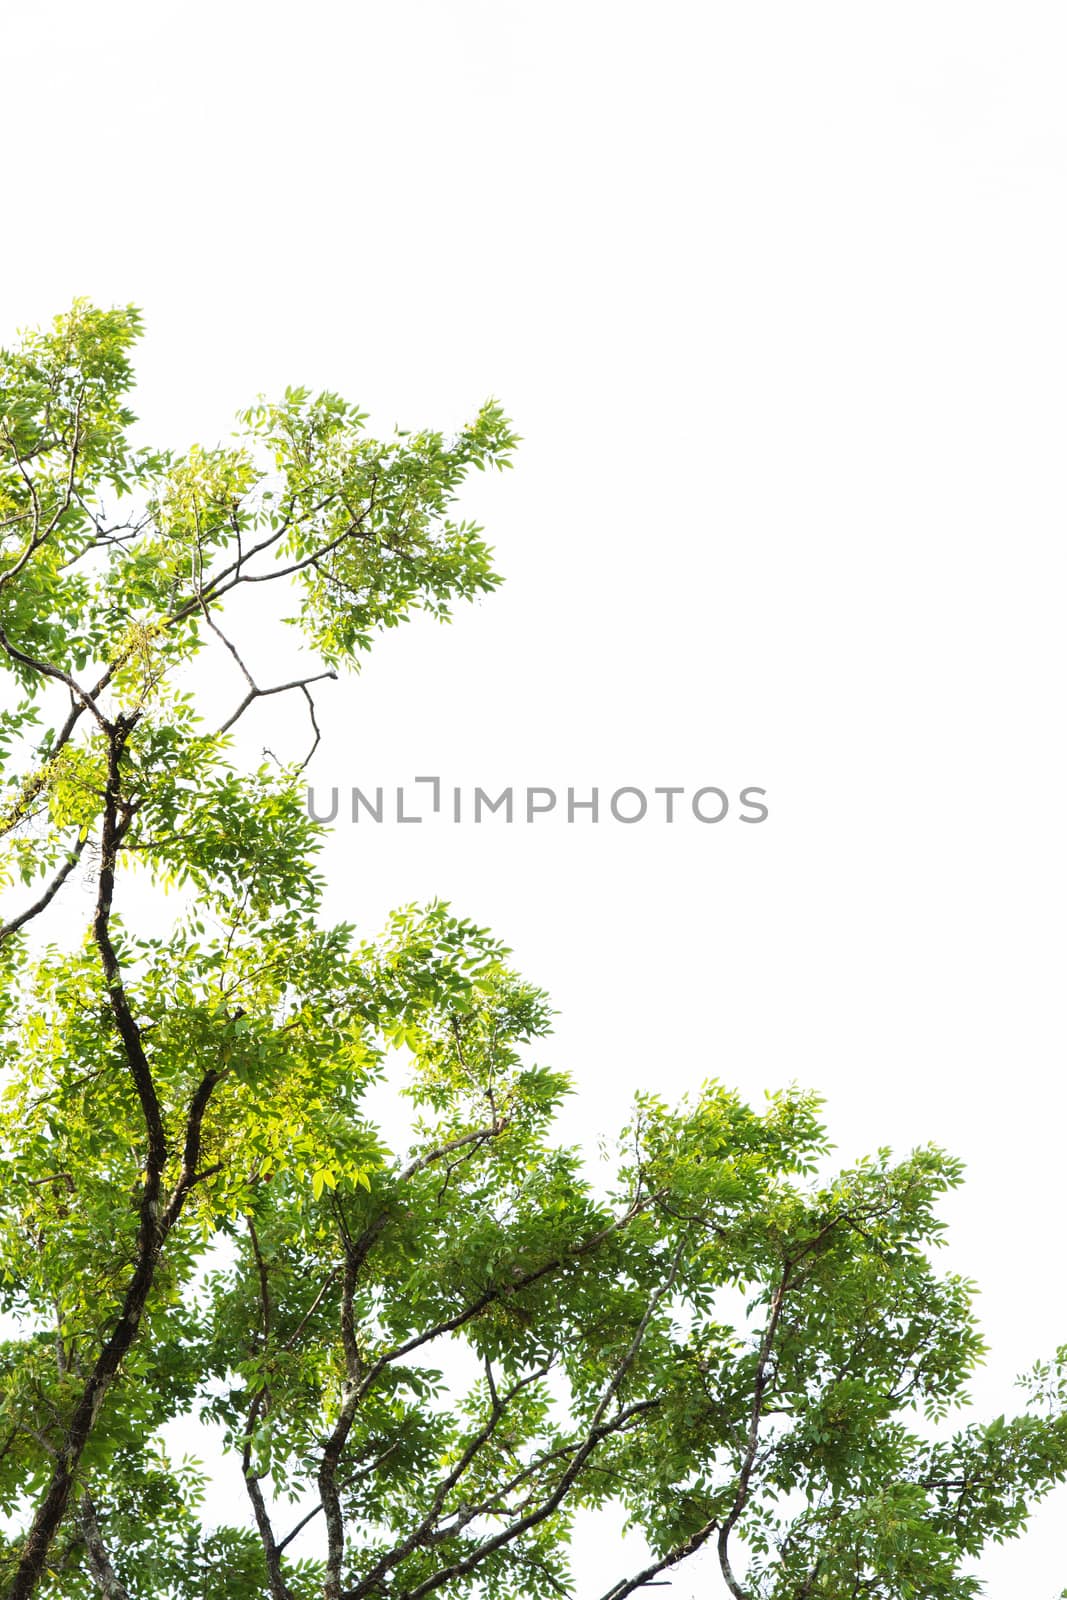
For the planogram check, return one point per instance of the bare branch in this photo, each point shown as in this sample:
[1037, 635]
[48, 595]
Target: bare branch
[310, 1516]
[230, 646]
[256, 693]
[314, 725]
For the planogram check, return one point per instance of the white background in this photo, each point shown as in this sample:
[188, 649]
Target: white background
[775, 294]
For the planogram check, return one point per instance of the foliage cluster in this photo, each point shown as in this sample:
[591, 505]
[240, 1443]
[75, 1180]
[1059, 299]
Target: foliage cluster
[419, 1365]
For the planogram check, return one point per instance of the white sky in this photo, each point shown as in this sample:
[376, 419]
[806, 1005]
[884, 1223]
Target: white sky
[775, 295]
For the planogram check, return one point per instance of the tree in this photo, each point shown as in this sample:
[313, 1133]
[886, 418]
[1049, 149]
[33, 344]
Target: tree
[420, 1366]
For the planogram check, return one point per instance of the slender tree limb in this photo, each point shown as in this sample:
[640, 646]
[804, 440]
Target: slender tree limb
[573, 1254]
[365, 1471]
[283, 1544]
[476, 1136]
[278, 688]
[35, 502]
[293, 1339]
[644, 1578]
[47, 670]
[351, 532]
[419, 1535]
[68, 496]
[194, 1127]
[316, 730]
[531, 1519]
[335, 1444]
[229, 644]
[264, 1285]
[104, 1575]
[494, 1504]
[220, 583]
[752, 1443]
[279, 1589]
[49, 894]
[33, 786]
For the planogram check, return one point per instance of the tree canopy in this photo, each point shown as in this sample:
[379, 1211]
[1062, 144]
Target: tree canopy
[417, 1365]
